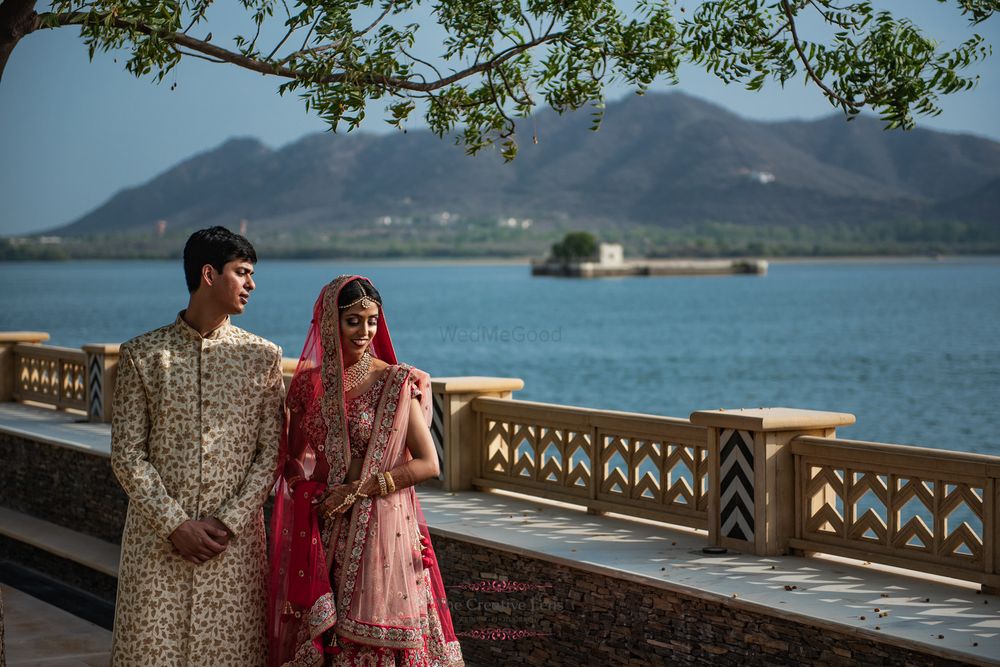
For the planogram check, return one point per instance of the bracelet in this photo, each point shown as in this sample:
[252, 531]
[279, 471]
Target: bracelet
[390, 482]
[351, 498]
[382, 484]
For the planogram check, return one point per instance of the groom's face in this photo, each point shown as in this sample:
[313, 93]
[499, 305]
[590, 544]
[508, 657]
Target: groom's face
[230, 290]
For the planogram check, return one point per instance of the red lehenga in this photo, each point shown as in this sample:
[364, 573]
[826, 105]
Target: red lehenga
[363, 589]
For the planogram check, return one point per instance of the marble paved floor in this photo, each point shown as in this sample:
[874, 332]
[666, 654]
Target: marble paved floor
[40, 635]
[58, 427]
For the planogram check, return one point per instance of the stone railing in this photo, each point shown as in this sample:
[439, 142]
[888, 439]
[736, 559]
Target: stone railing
[49, 374]
[922, 509]
[653, 467]
[455, 427]
[9, 340]
[766, 481]
[63, 377]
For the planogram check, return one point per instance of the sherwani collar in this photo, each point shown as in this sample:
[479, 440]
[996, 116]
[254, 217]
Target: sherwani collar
[215, 334]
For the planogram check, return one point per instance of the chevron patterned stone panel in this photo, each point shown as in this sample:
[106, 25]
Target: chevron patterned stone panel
[437, 428]
[609, 462]
[654, 472]
[541, 454]
[95, 394]
[926, 517]
[736, 484]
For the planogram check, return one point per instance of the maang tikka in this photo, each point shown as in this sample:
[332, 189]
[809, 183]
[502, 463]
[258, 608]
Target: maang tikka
[365, 301]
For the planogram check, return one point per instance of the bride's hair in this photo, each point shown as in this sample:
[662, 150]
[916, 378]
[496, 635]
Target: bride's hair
[356, 289]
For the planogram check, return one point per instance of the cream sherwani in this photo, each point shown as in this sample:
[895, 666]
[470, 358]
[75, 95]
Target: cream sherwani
[194, 434]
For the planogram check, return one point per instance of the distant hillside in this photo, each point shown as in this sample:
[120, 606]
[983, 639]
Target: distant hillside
[981, 205]
[663, 160]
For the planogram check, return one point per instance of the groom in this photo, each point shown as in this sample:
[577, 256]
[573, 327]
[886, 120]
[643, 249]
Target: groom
[194, 443]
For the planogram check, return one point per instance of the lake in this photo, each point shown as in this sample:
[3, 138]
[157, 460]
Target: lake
[912, 348]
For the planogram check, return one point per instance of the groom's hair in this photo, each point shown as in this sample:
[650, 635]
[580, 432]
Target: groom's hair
[215, 246]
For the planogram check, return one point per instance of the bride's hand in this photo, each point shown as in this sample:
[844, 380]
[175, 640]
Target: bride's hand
[335, 497]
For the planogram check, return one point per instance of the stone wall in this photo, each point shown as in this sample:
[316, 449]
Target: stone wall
[68, 487]
[569, 616]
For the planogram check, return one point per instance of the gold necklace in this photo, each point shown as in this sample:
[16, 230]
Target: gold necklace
[357, 372]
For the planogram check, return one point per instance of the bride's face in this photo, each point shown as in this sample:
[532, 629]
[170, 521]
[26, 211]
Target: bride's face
[357, 329]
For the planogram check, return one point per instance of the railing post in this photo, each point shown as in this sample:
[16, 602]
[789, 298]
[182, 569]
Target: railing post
[288, 365]
[751, 476]
[102, 367]
[455, 426]
[8, 341]
[991, 538]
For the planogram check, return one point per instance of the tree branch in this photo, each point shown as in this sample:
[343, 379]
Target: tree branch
[418, 60]
[179, 38]
[829, 92]
[499, 59]
[192, 54]
[17, 19]
[340, 42]
[499, 107]
[526, 100]
[278, 69]
[198, 15]
[531, 31]
[284, 39]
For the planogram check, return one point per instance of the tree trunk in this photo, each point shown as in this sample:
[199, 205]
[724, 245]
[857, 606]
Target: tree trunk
[17, 19]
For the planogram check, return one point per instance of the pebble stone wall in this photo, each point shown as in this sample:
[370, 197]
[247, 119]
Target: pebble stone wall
[548, 613]
[68, 487]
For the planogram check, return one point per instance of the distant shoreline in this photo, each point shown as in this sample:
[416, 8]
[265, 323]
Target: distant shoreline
[526, 260]
[882, 259]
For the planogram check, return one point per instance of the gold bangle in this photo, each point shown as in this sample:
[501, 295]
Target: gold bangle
[390, 482]
[381, 484]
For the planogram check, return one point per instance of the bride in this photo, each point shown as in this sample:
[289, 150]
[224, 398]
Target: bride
[354, 580]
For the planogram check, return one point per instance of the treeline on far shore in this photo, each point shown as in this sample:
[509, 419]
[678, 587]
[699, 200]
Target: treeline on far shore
[707, 240]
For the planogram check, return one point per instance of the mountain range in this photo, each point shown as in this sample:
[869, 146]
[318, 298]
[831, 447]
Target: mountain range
[664, 159]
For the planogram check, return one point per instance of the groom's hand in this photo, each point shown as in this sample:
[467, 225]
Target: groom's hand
[221, 533]
[197, 541]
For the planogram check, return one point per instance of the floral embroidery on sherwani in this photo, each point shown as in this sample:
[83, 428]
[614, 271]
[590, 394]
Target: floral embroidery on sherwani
[194, 435]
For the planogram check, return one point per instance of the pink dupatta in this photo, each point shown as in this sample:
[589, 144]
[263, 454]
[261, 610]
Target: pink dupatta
[388, 593]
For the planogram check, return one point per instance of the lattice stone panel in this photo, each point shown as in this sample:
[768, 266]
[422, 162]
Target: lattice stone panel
[924, 516]
[655, 473]
[51, 379]
[52, 375]
[540, 454]
[38, 377]
[73, 385]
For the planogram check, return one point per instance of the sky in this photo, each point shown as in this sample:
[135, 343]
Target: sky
[73, 132]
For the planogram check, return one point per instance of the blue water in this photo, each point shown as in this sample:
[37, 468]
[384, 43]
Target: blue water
[911, 348]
